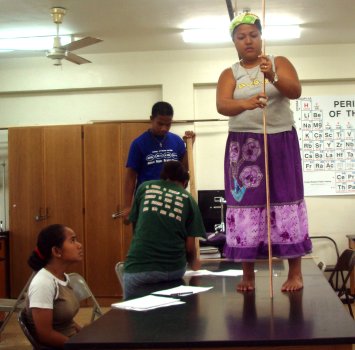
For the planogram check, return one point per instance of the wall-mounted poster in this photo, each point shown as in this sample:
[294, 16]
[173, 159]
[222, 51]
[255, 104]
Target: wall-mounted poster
[326, 130]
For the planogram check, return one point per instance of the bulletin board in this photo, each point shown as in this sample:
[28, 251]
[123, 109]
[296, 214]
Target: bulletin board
[326, 131]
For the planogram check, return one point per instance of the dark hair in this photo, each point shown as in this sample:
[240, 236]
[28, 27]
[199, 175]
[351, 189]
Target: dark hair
[162, 108]
[174, 171]
[51, 236]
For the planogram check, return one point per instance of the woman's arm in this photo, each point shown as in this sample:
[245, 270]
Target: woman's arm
[288, 83]
[191, 253]
[226, 104]
[43, 320]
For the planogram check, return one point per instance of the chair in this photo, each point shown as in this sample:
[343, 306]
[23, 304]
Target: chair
[22, 319]
[119, 269]
[329, 267]
[9, 306]
[83, 292]
[344, 265]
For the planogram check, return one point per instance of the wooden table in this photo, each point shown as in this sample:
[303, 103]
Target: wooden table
[351, 240]
[313, 318]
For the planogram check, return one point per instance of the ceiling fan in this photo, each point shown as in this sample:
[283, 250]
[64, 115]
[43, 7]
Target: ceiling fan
[59, 52]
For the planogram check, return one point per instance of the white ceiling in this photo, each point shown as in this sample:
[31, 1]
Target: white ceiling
[140, 25]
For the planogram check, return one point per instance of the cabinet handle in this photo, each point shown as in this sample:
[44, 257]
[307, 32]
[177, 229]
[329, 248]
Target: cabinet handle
[41, 217]
[117, 214]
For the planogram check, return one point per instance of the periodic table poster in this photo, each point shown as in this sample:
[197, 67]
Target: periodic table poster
[326, 131]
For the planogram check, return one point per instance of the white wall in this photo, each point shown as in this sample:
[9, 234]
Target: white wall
[124, 86]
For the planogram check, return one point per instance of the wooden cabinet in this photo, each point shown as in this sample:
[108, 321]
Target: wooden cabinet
[45, 187]
[72, 175]
[107, 238]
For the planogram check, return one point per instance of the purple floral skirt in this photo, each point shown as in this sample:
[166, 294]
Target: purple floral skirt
[245, 191]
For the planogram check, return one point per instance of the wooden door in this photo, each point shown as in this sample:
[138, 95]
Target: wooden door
[129, 132]
[107, 238]
[102, 200]
[63, 179]
[26, 200]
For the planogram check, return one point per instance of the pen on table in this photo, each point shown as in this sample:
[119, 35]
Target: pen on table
[182, 294]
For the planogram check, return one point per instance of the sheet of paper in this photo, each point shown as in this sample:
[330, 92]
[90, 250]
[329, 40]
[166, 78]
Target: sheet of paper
[230, 272]
[197, 273]
[182, 291]
[146, 303]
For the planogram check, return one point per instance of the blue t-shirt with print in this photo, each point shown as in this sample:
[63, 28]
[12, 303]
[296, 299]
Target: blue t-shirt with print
[148, 153]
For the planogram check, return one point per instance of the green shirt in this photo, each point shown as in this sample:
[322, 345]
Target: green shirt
[164, 215]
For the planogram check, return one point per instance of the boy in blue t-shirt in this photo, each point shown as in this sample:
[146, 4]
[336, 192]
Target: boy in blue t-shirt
[151, 150]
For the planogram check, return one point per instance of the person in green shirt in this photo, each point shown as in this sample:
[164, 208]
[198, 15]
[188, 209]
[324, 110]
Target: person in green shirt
[166, 221]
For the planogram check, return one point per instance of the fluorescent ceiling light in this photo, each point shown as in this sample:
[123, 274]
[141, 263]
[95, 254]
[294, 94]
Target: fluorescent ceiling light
[282, 32]
[206, 35]
[32, 43]
[218, 35]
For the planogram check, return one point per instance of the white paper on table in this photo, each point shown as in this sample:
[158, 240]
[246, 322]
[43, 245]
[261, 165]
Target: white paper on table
[146, 303]
[197, 273]
[181, 291]
[231, 273]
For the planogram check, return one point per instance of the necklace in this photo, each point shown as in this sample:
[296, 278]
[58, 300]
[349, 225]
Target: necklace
[252, 79]
[159, 141]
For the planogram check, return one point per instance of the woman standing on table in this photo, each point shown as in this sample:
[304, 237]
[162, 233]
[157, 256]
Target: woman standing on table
[240, 96]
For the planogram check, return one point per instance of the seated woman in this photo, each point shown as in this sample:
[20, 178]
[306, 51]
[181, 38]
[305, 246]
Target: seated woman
[51, 304]
[166, 223]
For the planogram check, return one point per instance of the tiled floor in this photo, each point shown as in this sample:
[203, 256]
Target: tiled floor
[13, 338]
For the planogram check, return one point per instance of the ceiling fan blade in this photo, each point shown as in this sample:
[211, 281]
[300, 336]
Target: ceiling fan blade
[75, 58]
[78, 44]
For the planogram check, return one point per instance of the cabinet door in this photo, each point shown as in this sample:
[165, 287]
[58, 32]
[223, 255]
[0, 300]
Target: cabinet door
[129, 132]
[102, 200]
[45, 187]
[63, 179]
[107, 238]
[26, 200]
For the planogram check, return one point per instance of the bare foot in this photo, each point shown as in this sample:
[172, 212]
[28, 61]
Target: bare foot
[246, 285]
[294, 280]
[293, 283]
[248, 280]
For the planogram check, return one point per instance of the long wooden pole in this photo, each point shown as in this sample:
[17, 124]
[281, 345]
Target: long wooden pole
[190, 159]
[266, 158]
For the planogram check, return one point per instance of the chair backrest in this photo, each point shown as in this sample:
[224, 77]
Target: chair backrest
[22, 319]
[346, 261]
[119, 269]
[9, 306]
[83, 292]
[344, 267]
[332, 252]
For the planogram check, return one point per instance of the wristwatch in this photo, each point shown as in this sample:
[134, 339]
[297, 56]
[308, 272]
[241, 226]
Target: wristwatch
[276, 78]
